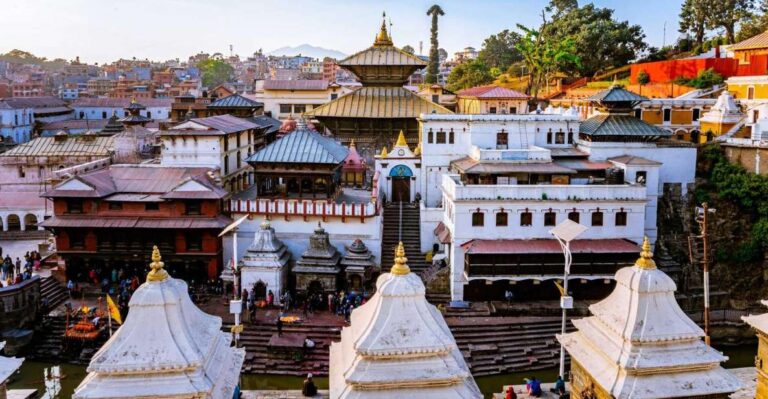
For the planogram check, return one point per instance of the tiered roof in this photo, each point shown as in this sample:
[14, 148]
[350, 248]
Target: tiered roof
[492, 92]
[301, 146]
[235, 101]
[379, 102]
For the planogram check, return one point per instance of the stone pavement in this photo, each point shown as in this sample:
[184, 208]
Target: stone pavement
[748, 378]
[294, 394]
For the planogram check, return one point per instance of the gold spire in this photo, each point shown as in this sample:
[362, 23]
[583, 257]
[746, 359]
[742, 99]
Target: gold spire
[384, 152]
[400, 268]
[646, 256]
[157, 273]
[401, 140]
[133, 100]
[417, 150]
[352, 144]
[383, 39]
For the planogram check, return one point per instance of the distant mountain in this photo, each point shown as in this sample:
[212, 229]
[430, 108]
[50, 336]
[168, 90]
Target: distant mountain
[309, 51]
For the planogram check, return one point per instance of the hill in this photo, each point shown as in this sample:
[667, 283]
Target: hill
[309, 51]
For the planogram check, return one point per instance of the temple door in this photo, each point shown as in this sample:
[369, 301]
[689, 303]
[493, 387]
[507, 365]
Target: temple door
[401, 189]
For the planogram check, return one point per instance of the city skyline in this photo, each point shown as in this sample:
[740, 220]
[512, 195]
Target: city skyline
[102, 32]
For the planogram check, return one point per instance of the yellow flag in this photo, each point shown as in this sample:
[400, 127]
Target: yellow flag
[560, 288]
[113, 310]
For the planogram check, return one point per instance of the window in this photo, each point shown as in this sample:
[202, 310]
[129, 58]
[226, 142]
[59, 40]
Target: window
[440, 137]
[285, 108]
[149, 114]
[435, 98]
[104, 115]
[695, 114]
[550, 218]
[82, 114]
[194, 242]
[570, 137]
[667, 115]
[152, 206]
[549, 137]
[755, 115]
[597, 218]
[512, 110]
[21, 172]
[750, 93]
[430, 136]
[492, 110]
[450, 137]
[115, 206]
[299, 108]
[478, 219]
[74, 206]
[226, 164]
[639, 113]
[334, 96]
[621, 218]
[640, 177]
[502, 139]
[559, 138]
[501, 219]
[526, 219]
[76, 239]
[574, 216]
[193, 208]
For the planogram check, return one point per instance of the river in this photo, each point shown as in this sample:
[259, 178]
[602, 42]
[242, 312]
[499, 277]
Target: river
[31, 375]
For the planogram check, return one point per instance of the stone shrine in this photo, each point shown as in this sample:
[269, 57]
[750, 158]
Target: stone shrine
[359, 267]
[318, 271]
[398, 345]
[639, 344]
[167, 348]
[265, 264]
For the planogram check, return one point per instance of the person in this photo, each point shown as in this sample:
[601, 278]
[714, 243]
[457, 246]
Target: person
[533, 386]
[559, 388]
[270, 298]
[509, 295]
[510, 394]
[279, 326]
[70, 287]
[309, 389]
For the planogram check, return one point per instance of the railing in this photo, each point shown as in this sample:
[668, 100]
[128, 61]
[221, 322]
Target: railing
[509, 269]
[517, 154]
[303, 208]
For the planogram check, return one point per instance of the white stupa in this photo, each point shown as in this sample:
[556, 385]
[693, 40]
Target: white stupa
[265, 263]
[398, 346]
[167, 348]
[725, 111]
[639, 343]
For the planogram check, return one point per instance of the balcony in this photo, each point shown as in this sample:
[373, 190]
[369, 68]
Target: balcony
[531, 153]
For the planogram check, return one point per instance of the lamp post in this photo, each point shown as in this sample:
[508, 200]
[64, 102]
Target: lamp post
[236, 304]
[564, 233]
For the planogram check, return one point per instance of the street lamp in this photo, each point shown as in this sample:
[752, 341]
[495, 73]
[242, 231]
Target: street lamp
[236, 304]
[564, 233]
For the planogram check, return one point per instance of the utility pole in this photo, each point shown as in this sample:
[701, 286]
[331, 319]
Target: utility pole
[705, 261]
[664, 36]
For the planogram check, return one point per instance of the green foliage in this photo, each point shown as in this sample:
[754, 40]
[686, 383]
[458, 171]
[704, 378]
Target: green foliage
[545, 56]
[500, 51]
[215, 72]
[704, 80]
[17, 56]
[694, 19]
[433, 69]
[643, 78]
[408, 49]
[469, 74]
[754, 24]
[699, 16]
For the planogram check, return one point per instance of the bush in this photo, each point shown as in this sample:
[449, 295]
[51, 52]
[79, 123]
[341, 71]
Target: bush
[704, 80]
[643, 78]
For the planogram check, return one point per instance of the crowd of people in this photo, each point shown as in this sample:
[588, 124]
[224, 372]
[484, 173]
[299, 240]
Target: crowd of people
[15, 272]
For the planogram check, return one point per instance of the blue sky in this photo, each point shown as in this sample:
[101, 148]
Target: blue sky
[104, 30]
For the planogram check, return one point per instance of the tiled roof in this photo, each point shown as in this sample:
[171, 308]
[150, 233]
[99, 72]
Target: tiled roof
[66, 124]
[74, 145]
[121, 102]
[616, 94]
[549, 246]
[758, 41]
[384, 55]
[301, 146]
[320, 84]
[473, 166]
[491, 91]
[235, 101]
[266, 122]
[226, 123]
[378, 102]
[619, 125]
[218, 222]
[32, 102]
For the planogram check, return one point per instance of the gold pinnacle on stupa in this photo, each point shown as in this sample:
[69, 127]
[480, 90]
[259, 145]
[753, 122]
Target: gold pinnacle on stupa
[400, 268]
[382, 38]
[352, 143]
[384, 152]
[401, 140]
[646, 256]
[157, 273]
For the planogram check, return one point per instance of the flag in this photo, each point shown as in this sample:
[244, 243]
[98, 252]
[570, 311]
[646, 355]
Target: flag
[114, 312]
[560, 288]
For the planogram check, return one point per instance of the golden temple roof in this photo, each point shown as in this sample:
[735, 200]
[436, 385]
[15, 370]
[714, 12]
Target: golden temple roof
[383, 38]
[378, 102]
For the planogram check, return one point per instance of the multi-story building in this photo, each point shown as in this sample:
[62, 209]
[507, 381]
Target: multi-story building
[102, 219]
[491, 99]
[98, 87]
[284, 98]
[104, 108]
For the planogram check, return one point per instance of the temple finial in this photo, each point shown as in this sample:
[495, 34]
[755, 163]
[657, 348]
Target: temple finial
[401, 140]
[384, 152]
[157, 273]
[383, 39]
[352, 143]
[400, 268]
[646, 256]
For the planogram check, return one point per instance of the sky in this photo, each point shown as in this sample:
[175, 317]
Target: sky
[105, 30]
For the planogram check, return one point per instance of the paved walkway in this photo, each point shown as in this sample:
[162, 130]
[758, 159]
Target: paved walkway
[280, 395]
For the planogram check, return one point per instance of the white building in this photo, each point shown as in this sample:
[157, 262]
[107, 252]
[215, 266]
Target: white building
[284, 98]
[265, 264]
[166, 349]
[104, 108]
[16, 121]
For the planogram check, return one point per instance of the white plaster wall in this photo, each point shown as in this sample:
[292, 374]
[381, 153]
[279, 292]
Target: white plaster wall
[429, 219]
[99, 112]
[186, 151]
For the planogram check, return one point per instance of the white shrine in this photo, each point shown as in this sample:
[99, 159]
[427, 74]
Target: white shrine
[398, 345]
[8, 366]
[265, 264]
[639, 344]
[167, 348]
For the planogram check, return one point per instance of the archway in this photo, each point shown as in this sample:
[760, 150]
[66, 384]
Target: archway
[355, 282]
[14, 223]
[315, 287]
[30, 222]
[401, 183]
[260, 290]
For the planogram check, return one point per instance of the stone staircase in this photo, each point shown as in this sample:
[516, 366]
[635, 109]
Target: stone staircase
[496, 345]
[410, 235]
[48, 339]
[55, 292]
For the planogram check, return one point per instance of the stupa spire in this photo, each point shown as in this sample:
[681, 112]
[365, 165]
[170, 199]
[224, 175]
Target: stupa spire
[383, 39]
[384, 152]
[646, 256]
[157, 273]
[400, 268]
[401, 140]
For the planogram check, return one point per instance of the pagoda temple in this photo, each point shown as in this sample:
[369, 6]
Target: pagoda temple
[639, 344]
[113, 125]
[615, 120]
[265, 264]
[398, 345]
[760, 324]
[133, 115]
[353, 169]
[358, 266]
[167, 348]
[373, 114]
[318, 271]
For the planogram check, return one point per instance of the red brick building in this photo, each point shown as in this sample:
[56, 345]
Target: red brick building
[111, 218]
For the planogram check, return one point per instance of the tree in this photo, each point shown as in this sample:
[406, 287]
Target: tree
[643, 78]
[544, 56]
[727, 13]
[214, 72]
[694, 19]
[469, 74]
[601, 42]
[499, 50]
[443, 54]
[434, 55]
[755, 24]
[408, 49]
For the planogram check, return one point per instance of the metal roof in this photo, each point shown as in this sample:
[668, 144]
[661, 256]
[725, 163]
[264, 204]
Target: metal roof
[120, 102]
[619, 125]
[137, 222]
[473, 166]
[754, 42]
[301, 146]
[616, 94]
[72, 146]
[492, 91]
[378, 102]
[33, 102]
[235, 101]
[549, 246]
[225, 123]
[382, 55]
[633, 160]
[268, 123]
[308, 84]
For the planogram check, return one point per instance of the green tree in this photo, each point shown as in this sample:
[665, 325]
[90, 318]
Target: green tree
[215, 72]
[545, 56]
[469, 74]
[443, 54]
[601, 42]
[643, 78]
[499, 50]
[755, 24]
[408, 49]
[434, 55]
[694, 19]
[727, 14]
